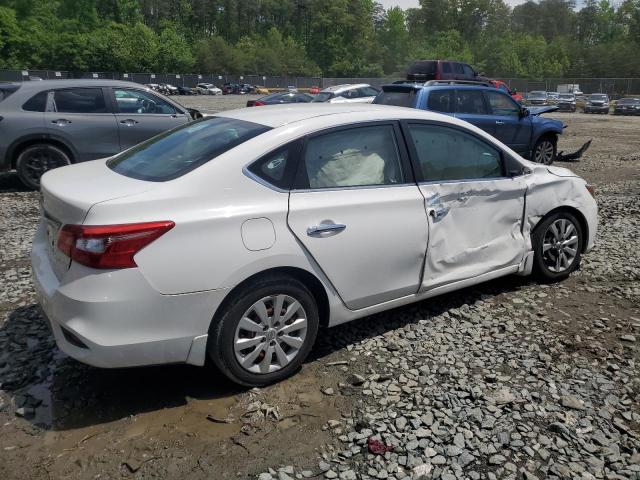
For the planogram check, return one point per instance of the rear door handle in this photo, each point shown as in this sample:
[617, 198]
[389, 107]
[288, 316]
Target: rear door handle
[61, 121]
[324, 228]
[129, 122]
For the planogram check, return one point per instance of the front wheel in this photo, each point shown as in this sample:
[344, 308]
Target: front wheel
[544, 151]
[265, 332]
[37, 159]
[557, 244]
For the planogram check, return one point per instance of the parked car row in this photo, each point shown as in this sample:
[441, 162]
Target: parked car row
[590, 103]
[346, 93]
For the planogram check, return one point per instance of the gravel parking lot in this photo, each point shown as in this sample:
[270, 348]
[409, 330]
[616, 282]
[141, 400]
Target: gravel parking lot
[508, 379]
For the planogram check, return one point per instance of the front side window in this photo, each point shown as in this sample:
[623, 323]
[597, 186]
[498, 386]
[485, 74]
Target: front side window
[178, 151]
[353, 157]
[502, 105]
[137, 101]
[448, 154]
[468, 71]
[80, 100]
[470, 102]
[457, 68]
[440, 101]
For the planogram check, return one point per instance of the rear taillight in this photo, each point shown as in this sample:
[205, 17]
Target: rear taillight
[258, 103]
[109, 246]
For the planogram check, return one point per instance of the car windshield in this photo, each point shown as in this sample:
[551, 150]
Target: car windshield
[399, 97]
[629, 101]
[323, 97]
[566, 96]
[176, 152]
[537, 95]
[597, 96]
[7, 89]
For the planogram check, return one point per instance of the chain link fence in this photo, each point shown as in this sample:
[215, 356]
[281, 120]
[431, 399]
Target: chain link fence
[615, 87]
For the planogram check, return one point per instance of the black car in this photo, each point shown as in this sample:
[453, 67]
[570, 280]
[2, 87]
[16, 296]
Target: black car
[280, 98]
[237, 88]
[627, 106]
[185, 91]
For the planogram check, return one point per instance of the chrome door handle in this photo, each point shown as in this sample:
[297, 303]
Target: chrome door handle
[499, 122]
[438, 212]
[325, 227]
[61, 121]
[129, 122]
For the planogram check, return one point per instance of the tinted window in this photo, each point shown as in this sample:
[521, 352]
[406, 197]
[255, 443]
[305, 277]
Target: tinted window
[178, 151]
[323, 97]
[468, 70]
[446, 67]
[457, 68]
[423, 66]
[502, 104]
[400, 98]
[272, 168]
[137, 101]
[37, 103]
[7, 89]
[449, 154]
[440, 101]
[470, 101]
[353, 157]
[368, 92]
[80, 100]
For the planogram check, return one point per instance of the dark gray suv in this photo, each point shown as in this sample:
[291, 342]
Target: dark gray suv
[52, 123]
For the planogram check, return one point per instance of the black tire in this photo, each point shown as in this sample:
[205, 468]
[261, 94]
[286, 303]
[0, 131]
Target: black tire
[34, 160]
[545, 150]
[543, 234]
[222, 333]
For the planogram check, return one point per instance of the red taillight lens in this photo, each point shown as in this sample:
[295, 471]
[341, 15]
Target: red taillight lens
[258, 103]
[109, 246]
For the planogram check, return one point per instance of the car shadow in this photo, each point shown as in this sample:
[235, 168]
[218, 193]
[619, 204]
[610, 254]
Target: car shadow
[60, 393]
[9, 182]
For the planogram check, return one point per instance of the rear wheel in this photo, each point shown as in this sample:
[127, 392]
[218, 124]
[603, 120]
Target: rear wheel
[35, 160]
[544, 150]
[266, 331]
[557, 244]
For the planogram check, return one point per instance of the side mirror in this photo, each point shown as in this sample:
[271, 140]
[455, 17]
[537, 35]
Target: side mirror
[524, 112]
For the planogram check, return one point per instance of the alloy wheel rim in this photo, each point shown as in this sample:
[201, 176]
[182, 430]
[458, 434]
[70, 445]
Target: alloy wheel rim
[270, 334]
[544, 152]
[560, 245]
[40, 160]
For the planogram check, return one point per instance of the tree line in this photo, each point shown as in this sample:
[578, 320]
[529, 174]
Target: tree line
[548, 38]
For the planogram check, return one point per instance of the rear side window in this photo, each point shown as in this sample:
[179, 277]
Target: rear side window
[273, 168]
[470, 102]
[400, 98]
[363, 156]
[440, 101]
[446, 67]
[7, 89]
[80, 100]
[37, 103]
[178, 151]
[447, 154]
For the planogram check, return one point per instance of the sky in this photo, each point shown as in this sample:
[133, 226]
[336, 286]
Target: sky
[414, 3]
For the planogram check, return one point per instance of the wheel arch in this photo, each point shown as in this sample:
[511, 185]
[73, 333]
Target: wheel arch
[19, 145]
[584, 225]
[305, 277]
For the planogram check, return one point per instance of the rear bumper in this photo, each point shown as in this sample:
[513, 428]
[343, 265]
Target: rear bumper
[114, 318]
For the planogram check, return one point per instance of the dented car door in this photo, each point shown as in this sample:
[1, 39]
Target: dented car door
[474, 209]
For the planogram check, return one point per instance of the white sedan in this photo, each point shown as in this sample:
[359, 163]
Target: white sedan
[208, 89]
[236, 236]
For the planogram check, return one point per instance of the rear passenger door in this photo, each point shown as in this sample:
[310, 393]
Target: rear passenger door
[470, 106]
[358, 212]
[82, 117]
[140, 115]
[474, 208]
[510, 127]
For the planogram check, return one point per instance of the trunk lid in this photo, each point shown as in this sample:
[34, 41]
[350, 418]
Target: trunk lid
[68, 193]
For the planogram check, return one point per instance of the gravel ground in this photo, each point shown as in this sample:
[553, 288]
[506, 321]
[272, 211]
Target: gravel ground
[509, 379]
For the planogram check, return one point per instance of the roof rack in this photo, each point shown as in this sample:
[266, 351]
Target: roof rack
[477, 83]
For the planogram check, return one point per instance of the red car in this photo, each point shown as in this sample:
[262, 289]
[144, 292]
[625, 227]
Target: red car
[499, 84]
[314, 90]
[425, 70]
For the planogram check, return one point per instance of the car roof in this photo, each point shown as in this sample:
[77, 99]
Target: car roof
[279, 115]
[345, 86]
[85, 82]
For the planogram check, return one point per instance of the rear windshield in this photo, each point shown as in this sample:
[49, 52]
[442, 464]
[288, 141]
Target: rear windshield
[405, 97]
[178, 151]
[323, 97]
[7, 89]
[424, 67]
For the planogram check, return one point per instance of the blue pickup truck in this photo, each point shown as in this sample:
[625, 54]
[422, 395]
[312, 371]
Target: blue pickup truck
[523, 129]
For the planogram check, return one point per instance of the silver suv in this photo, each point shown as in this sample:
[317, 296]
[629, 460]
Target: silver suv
[52, 123]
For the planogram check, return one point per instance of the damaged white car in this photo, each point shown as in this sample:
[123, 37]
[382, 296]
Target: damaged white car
[236, 237]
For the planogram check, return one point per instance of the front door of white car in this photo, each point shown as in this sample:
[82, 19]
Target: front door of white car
[474, 209]
[358, 212]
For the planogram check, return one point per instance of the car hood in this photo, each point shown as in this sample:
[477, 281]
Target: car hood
[540, 110]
